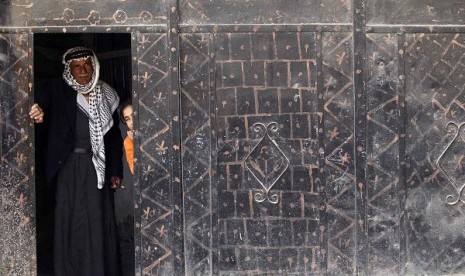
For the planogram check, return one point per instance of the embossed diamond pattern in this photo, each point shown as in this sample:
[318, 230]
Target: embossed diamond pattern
[263, 79]
[266, 162]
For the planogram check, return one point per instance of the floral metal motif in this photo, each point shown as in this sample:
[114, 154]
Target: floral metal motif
[452, 199]
[266, 162]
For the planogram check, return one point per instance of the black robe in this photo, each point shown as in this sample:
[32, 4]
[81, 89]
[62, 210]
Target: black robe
[85, 238]
[59, 103]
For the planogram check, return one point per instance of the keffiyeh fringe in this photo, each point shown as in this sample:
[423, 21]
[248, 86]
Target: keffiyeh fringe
[103, 101]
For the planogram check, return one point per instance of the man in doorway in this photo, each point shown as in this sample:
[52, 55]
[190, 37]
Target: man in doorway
[84, 159]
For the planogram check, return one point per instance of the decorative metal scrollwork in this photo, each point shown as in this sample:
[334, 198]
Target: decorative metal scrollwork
[266, 162]
[452, 199]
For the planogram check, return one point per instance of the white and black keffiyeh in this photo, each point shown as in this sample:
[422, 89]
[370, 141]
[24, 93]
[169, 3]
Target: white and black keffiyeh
[103, 101]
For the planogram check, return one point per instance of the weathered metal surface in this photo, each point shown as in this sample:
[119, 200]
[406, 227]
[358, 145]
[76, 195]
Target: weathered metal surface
[264, 12]
[434, 96]
[267, 78]
[154, 210]
[17, 193]
[413, 12]
[339, 170]
[273, 137]
[265, 82]
[196, 159]
[27, 13]
[384, 185]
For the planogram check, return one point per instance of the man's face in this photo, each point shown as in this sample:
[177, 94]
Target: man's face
[127, 115]
[82, 70]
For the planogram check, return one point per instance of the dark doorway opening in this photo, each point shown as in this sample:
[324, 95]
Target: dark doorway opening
[114, 53]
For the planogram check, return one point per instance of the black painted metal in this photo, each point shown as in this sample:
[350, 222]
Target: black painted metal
[17, 190]
[402, 125]
[173, 50]
[321, 156]
[360, 129]
[361, 91]
[197, 173]
[383, 207]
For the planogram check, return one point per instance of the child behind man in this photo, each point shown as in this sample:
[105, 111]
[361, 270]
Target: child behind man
[126, 116]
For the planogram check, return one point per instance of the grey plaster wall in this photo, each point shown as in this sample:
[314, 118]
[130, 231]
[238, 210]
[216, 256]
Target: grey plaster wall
[273, 137]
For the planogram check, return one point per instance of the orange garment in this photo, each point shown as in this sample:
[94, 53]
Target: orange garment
[129, 149]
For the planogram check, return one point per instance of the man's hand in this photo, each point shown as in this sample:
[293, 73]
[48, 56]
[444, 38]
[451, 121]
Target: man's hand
[36, 113]
[115, 182]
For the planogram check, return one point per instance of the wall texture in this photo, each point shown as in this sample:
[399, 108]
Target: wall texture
[273, 137]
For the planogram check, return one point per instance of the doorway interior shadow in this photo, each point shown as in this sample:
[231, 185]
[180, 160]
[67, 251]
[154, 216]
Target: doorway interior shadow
[114, 53]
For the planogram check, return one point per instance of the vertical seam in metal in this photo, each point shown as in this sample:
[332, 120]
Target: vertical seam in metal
[360, 120]
[137, 185]
[321, 154]
[213, 156]
[402, 123]
[175, 121]
[31, 137]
